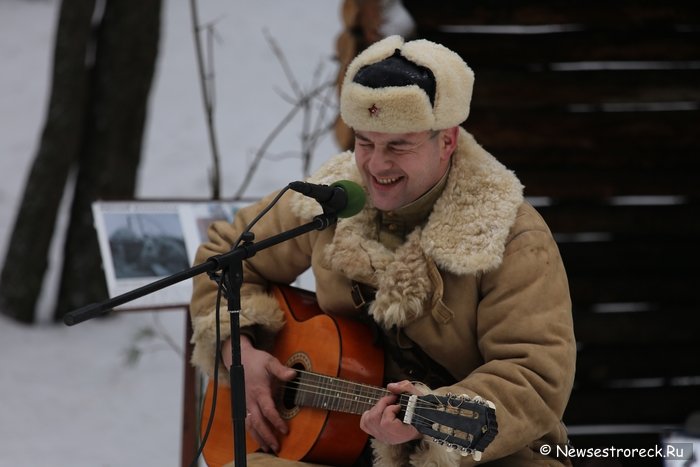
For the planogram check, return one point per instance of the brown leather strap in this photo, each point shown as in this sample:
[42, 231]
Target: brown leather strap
[362, 294]
[417, 364]
[413, 360]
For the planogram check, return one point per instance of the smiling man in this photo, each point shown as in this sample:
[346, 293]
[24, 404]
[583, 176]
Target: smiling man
[458, 275]
[399, 169]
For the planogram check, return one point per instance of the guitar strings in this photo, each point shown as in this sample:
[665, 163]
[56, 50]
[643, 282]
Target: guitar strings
[325, 389]
[336, 389]
[304, 387]
[418, 419]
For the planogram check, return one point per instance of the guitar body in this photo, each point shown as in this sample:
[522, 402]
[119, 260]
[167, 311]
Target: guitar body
[316, 342]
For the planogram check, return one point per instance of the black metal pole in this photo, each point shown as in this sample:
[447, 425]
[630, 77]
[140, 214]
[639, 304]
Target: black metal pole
[232, 280]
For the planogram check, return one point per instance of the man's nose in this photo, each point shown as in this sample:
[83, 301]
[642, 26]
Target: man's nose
[379, 159]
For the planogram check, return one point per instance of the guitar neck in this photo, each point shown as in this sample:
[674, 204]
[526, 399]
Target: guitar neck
[329, 393]
[455, 421]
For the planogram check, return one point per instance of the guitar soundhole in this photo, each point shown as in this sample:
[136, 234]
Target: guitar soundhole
[289, 397]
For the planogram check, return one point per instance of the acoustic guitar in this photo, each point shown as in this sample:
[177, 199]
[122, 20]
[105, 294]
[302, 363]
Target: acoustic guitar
[339, 371]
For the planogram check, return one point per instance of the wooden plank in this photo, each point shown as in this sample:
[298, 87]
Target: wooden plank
[601, 366]
[661, 328]
[598, 173]
[521, 89]
[643, 254]
[603, 184]
[634, 158]
[660, 271]
[672, 219]
[629, 286]
[668, 131]
[670, 405]
[600, 12]
[507, 51]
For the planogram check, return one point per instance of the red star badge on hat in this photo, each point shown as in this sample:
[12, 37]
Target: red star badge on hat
[374, 111]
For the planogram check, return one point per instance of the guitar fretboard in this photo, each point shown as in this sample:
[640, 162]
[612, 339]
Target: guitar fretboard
[326, 392]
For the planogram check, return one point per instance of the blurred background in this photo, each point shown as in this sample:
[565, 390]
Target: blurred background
[595, 105]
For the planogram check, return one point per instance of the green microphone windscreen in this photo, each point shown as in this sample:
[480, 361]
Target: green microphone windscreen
[356, 197]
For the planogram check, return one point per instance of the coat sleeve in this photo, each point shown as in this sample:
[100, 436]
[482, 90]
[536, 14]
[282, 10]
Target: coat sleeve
[521, 335]
[282, 263]
[525, 336]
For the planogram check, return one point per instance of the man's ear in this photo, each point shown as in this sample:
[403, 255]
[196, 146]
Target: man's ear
[448, 140]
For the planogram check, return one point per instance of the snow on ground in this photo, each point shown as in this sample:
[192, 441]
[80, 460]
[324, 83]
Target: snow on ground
[68, 396]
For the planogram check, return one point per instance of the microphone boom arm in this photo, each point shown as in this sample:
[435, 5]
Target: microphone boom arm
[212, 264]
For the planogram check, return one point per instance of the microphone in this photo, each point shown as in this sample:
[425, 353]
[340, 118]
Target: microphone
[343, 198]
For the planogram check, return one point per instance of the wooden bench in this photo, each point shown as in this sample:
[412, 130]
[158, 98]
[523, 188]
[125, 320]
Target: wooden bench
[596, 107]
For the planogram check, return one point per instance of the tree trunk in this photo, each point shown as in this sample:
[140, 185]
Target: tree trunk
[102, 76]
[362, 20]
[27, 254]
[126, 51]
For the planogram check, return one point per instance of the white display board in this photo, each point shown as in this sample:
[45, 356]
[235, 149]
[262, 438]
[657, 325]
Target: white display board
[144, 241]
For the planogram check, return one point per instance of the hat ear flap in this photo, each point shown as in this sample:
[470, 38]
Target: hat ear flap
[454, 78]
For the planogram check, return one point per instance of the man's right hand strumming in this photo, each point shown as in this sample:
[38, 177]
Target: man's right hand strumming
[263, 374]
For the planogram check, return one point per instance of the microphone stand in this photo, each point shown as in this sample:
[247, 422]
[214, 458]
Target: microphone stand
[231, 266]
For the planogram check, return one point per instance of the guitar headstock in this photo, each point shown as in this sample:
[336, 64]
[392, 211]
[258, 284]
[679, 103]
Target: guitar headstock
[457, 422]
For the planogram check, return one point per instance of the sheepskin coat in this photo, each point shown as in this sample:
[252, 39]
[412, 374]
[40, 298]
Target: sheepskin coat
[480, 288]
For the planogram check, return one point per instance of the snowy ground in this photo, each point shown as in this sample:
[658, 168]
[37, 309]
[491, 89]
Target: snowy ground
[68, 395]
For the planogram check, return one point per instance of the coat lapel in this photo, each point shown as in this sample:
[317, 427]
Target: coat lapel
[465, 233]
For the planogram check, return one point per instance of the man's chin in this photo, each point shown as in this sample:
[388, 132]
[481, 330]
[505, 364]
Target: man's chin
[384, 199]
[384, 204]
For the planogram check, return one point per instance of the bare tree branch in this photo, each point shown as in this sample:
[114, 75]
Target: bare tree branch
[207, 86]
[312, 134]
[283, 62]
[312, 129]
[260, 153]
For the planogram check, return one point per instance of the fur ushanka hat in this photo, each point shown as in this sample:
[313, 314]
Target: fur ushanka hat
[403, 87]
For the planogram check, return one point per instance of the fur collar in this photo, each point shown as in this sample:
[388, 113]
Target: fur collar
[465, 233]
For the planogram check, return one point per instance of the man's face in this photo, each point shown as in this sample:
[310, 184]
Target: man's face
[398, 168]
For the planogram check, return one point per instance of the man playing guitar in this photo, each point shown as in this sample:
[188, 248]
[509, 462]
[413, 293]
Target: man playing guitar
[456, 274]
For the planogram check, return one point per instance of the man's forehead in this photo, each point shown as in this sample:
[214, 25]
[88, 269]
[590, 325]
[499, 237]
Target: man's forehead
[390, 138]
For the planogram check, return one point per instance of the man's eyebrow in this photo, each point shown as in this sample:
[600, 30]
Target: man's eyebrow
[393, 142]
[396, 142]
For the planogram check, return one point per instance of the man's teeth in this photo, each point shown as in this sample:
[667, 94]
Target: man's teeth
[387, 181]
